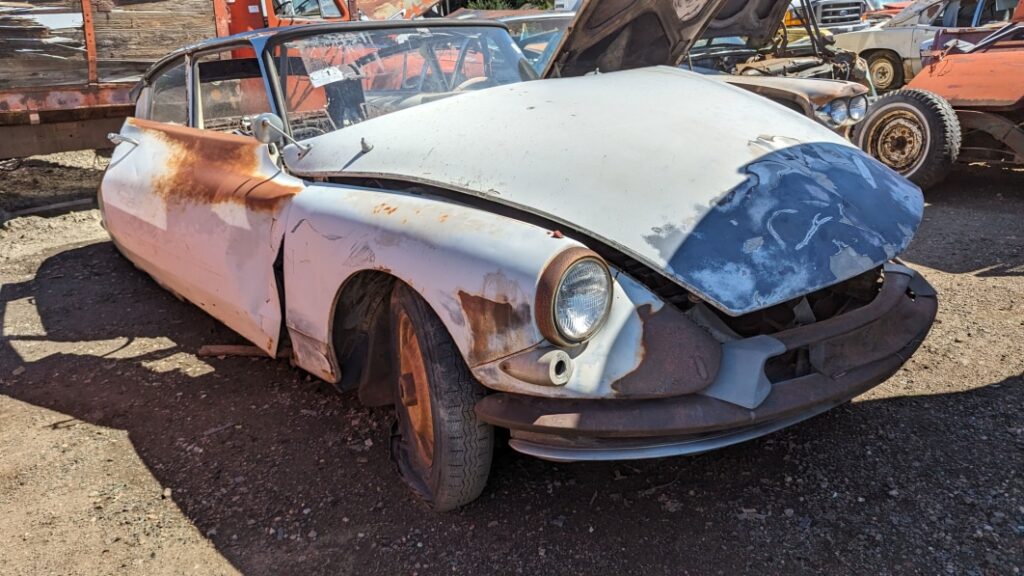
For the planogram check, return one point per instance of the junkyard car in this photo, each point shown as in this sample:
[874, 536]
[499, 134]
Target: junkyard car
[409, 232]
[966, 105]
[893, 47]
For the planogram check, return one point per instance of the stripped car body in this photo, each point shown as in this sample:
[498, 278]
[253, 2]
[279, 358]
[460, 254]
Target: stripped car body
[749, 38]
[747, 275]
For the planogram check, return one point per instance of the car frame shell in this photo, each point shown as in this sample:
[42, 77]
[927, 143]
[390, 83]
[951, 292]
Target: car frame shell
[293, 244]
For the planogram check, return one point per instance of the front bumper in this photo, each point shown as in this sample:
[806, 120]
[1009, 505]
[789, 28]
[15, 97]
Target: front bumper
[850, 354]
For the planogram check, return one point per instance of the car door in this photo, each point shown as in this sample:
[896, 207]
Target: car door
[194, 201]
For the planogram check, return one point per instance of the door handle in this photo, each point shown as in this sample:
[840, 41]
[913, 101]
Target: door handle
[116, 138]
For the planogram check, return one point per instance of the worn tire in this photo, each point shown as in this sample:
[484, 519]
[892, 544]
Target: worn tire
[914, 132]
[427, 363]
[886, 71]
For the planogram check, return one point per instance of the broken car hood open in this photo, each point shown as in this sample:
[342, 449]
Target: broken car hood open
[738, 200]
[613, 35]
[756, 20]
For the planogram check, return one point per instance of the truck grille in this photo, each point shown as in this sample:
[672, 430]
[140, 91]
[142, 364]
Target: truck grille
[838, 13]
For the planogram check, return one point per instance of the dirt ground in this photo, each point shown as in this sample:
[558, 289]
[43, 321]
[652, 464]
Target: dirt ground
[122, 452]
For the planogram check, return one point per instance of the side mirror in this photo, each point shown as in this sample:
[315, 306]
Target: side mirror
[268, 128]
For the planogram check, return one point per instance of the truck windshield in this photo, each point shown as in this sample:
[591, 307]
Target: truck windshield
[331, 80]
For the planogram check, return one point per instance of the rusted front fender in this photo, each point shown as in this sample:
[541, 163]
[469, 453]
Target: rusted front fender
[479, 272]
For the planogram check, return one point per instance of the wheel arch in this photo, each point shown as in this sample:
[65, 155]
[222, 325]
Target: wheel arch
[360, 335]
[346, 248]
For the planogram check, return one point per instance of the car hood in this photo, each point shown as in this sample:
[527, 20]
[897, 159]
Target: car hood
[911, 15]
[613, 35]
[757, 20]
[737, 199]
[820, 91]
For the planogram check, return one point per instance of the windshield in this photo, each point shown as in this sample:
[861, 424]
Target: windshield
[538, 37]
[332, 80]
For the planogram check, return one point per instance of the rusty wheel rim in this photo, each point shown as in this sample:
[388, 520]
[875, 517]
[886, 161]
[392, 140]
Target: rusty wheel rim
[882, 74]
[899, 140]
[414, 391]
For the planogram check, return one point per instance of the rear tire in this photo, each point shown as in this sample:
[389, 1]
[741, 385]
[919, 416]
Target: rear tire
[443, 451]
[885, 70]
[914, 132]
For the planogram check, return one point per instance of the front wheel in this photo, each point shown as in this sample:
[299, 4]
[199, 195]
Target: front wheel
[914, 132]
[442, 449]
[886, 71]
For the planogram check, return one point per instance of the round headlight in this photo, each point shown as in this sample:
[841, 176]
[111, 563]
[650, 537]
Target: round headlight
[858, 108]
[573, 297]
[839, 111]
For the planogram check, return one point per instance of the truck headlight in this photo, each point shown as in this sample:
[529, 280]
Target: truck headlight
[858, 108]
[573, 297]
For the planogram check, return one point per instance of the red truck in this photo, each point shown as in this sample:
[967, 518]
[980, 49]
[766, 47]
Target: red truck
[69, 65]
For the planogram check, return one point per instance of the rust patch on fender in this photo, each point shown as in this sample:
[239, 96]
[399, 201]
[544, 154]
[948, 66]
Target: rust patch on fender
[493, 326]
[676, 357]
[215, 168]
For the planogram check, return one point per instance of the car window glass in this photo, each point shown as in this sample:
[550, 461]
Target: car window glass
[231, 89]
[996, 11]
[303, 9]
[332, 80]
[965, 14]
[168, 96]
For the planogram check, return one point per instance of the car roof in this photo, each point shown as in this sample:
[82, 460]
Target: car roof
[265, 34]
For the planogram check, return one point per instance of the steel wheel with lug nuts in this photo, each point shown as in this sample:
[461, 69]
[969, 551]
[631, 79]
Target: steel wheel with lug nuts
[914, 132]
[886, 71]
[442, 450]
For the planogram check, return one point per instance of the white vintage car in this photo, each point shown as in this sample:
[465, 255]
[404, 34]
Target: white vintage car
[637, 263]
[893, 47]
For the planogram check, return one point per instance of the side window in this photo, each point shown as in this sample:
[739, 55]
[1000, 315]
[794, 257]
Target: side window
[230, 88]
[306, 9]
[996, 11]
[965, 15]
[168, 96]
[958, 14]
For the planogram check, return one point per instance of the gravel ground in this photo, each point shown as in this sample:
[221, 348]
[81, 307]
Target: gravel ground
[121, 452]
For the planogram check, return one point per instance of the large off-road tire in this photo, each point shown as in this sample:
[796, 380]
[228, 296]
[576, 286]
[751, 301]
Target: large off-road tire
[914, 132]
[886, 70]
[443, 451]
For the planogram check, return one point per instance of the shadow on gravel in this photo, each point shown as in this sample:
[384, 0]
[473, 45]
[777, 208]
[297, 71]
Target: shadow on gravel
[973, 223]
[285, 477]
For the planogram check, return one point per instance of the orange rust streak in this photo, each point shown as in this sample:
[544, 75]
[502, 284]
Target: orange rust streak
[206, 167]
[385, 208]
[491, 319]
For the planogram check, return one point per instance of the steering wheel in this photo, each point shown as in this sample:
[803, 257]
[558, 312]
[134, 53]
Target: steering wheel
[474, 84]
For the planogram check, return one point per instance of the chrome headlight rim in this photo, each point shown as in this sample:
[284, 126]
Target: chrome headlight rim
[839, 107]
[548, 287]
[860, 104]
